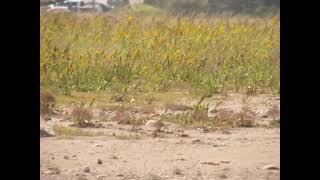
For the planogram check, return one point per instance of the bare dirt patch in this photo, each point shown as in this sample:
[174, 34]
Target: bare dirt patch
[133, 150]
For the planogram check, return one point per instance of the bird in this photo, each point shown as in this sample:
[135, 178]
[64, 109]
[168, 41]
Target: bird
[155, 125]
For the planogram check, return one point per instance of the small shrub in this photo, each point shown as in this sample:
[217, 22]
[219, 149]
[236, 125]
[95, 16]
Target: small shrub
[275, 123]
[224, 113]
[228, 118]
[47, 103]
[177, 171]
[125, 118]
[82, 117]
[245, 118]
[198, 114]
[149, 98]
[250, 91]
[273, 112]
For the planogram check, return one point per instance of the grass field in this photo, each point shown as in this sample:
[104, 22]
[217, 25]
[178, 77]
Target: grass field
[144, 93]
[148, 54]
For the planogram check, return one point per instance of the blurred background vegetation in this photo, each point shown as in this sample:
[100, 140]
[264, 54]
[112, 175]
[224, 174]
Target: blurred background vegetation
[257, 7]
[208, 47]
[233, 7]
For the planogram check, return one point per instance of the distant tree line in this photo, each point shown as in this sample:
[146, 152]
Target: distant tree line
[217, 6]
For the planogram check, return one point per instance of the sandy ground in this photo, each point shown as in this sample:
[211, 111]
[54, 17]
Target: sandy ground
[235, 154]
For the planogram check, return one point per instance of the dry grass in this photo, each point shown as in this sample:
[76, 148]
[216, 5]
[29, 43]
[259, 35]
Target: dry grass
[126, 118]
[229, 118]
[198, 117]
[82, 117]
[244, 118]
[273, 112]
[47, 103]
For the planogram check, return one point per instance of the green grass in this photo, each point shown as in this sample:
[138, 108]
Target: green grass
[274, 123]
[145, 8]
[66, 131]
[104, 99]
[72, 132]
[146, 55]
[128, 137]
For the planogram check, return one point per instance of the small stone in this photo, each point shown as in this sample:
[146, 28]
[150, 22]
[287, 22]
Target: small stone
[113, 134]
[82, 177]
[66, 157]
[180, 142]
[155, 177]
[270, 167]
[47, 119]
[210, 163]
[52, 170]
[100, 177]
[120, 175]
[132, 100]
[114, 157]
[44, 133]
[177, 171]
[99, 161]
[225, 162]
[47, 172]
[98, 145]
[74, 155]
[119, 98]
[184, 135]
[86, 169]
[196, 141]
[222, 176]
[226, 132]
[181, 159]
